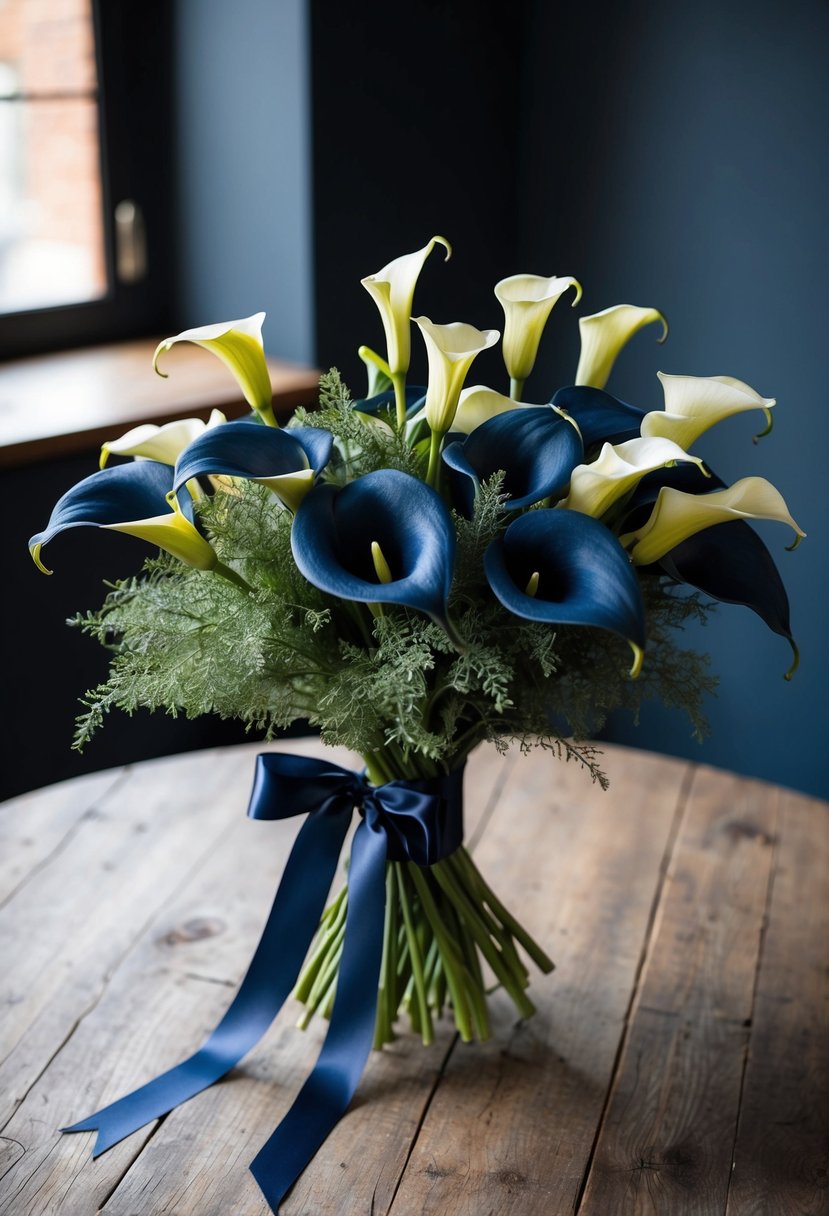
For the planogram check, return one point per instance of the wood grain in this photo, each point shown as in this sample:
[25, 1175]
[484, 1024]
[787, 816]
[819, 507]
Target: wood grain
[35, 826]
[241, 1115]
[666, 1140]
[781, 1158]
[512, 1124]
[675, 1037]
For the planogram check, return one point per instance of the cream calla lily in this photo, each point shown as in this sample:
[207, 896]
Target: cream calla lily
[595, 487]
[677, 515]
[392, 290]
[605, 333]
[695, 403]
[162, 443]
[527, 300]
[477, 404]
[239, 346]
[451, 350]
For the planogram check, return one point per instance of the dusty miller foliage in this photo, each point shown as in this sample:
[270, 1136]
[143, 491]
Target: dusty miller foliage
[189, 642]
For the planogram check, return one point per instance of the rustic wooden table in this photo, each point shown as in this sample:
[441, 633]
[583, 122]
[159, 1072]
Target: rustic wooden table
[677, 1063]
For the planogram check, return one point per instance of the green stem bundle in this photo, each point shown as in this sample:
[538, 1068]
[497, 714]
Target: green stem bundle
[444, 930]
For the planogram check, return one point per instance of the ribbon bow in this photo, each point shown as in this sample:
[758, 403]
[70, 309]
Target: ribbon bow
[418, 821]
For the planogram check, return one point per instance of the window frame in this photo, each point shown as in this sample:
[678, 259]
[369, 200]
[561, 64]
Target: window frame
[134, 63]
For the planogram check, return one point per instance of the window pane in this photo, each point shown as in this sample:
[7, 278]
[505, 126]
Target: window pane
[51, 220]
[51, 239]
[50, 44]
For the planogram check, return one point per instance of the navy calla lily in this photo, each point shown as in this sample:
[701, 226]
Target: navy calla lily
[134, 498]
[732, 564]
[600, 417]
[337, 528]
[566, 568]
[729, 562]
[286, 460]
[536, 447]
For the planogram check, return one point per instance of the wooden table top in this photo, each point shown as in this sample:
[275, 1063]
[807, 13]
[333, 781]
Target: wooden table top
[678, 1062]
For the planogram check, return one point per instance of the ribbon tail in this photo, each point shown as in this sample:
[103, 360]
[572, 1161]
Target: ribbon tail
[325, 1096]
[274, 968]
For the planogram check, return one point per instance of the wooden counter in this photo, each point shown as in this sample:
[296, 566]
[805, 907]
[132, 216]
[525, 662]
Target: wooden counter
[56, 405]
[677, 1063]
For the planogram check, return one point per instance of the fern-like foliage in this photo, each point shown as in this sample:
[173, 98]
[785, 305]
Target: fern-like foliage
[190, 642]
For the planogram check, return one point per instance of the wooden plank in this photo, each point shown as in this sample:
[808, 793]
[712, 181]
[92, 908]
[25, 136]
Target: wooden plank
[67, 929]
[164, 996]
[511, 1126]
[34, 825]
[666, 1140]
[73, 401]
[197, 1160]
[781, 1158]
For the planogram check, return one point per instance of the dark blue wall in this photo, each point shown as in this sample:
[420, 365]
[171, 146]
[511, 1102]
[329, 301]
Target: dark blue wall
[676, 155]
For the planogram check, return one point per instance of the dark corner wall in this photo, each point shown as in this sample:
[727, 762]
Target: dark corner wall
[665, 154]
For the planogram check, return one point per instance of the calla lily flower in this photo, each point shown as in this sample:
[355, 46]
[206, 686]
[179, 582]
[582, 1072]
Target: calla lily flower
[731, 563]
[161, 443]
[286, 461]
[605, 333]
[451, 350]
[695, 403]
[239, 346]
[600, 417]
[527, 301]
[477, 404]
[136, 499]
[392, 290]
[537, 448]
[386, 538]
[595, 487]
[567, 569]
[676, 516]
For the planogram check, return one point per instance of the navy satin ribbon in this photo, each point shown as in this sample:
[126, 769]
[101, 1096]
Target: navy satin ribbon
[418, 821]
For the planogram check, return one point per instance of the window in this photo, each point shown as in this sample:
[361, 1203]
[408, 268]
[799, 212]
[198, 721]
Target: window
[85, 206]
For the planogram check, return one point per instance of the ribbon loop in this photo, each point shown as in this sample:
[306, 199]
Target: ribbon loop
[419, 821]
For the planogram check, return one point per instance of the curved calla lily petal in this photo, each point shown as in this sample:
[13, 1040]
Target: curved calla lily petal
[162, 443]
[595, 487]
[536, 447]
[239, 346]
[477, 404]
[527, 301]
[732, 564]
[132, 498]
[336, 528]
[286, 461]
[451, 350]
[605, 333]
[677, 515]
[392, 290]
[600, 417]
[567, 569]
[690, 478]
[695, 403]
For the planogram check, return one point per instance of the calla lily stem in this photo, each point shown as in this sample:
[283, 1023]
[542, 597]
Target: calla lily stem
[516, 388]
[226, 572]
[398, 380]
[433, 472]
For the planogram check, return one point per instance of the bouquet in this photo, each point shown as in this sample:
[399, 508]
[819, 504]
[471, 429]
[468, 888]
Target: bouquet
[417, 572]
